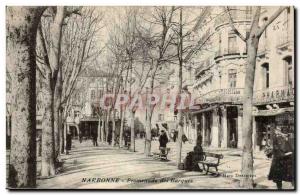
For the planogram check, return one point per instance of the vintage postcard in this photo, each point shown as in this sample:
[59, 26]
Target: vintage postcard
[150, 97]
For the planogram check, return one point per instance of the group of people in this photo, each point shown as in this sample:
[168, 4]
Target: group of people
[281, 149]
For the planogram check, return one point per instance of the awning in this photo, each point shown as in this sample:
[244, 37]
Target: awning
[86, 119]
[204, 110]
[273, 112]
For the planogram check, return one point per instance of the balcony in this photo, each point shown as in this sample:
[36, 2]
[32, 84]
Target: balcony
[236, 17]
[263, 48]
[284, 42]
[232, 53]
[232, 95]
[274, 95]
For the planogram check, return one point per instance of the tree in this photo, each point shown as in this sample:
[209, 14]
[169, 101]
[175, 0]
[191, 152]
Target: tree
[80, 50]
[21, 31]
[136, 71]
[51, 47]
[251, 40]
[157, 37]
[186, 49]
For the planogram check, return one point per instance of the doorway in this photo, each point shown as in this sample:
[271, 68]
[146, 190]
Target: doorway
[232, 126]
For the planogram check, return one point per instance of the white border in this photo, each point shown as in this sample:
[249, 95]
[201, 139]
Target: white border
[4, 3]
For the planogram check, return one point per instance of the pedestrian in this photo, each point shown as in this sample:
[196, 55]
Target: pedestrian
[80, 136]
[264, 143]
[163, 140]
[193, 157]
[198, 153]
[69, 141]
[184, 138]
[282, 166]
[233, 143]
[94, 137]
[127, 139]
[175, 136]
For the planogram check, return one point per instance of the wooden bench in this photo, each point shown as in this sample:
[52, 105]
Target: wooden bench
[210, 160]
[163, 154]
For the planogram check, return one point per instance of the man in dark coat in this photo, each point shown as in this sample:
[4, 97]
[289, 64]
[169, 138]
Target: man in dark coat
[94, 138]
[282, 167]
[163, 140]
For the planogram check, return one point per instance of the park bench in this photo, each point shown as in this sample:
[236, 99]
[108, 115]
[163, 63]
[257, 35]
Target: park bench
[162, 154]
[210, 160]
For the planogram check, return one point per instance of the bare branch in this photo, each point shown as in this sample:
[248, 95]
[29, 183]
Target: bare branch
[271, 19]
[231, 23]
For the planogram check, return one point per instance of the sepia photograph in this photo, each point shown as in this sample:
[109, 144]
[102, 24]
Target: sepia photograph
[150, 97]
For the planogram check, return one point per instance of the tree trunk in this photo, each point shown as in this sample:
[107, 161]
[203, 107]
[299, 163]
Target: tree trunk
[148, 133]
[102, 127]
[113, 133]
[179, 117]
[47, 167]
[121, 129]
[107, 125]
[148, 121]
[62, 136]
[247, 156]
[65, 136]
[99, 131]
[22, 25]
[56, 129]
[132, 135]
[54, 58]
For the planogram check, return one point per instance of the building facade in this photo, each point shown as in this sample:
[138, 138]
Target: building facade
[221, 75]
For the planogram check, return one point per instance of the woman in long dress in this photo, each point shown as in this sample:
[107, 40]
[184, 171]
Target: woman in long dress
[282, 167]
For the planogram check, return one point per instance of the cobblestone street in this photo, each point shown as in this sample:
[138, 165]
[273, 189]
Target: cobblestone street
[86, 161]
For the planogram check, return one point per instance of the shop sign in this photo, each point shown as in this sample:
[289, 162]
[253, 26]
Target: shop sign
[274, 95]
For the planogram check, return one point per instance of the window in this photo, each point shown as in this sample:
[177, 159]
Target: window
[266, 75]
[232, 73]
[265, 19]
[220, 43]
[286, 24]
[289, 72]
[100, 93]
[93, 94]
[232, 43]
[161, 117]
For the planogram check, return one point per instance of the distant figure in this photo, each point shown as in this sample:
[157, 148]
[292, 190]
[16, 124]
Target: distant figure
[127, 138]
[80, 136]
[263, 143]
[282, 167]
[68, 141]
[175, 136]
[163, 140]
[94, 139]
[198, 153]
[192, 158]
[184, 138]
[232, 142]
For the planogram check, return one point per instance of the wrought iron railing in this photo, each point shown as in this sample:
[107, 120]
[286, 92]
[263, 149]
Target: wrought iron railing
[222, 95]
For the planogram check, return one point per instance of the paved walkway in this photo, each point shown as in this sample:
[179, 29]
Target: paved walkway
[90, 167]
